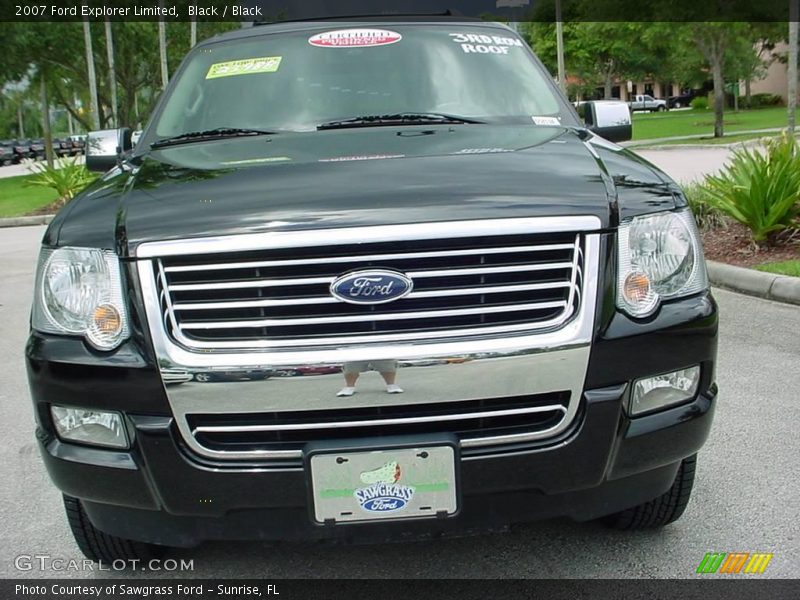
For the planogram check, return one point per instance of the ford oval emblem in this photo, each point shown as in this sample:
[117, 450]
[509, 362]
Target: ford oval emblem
[371, 286]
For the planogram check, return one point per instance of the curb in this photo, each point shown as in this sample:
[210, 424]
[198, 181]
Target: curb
[699, 136]
[25, 221]
[755, 283]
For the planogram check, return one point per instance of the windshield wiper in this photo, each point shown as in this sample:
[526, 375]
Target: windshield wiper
[406, 118]
[210, 134]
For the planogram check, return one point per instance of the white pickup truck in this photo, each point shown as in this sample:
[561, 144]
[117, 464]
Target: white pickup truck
[646, 102]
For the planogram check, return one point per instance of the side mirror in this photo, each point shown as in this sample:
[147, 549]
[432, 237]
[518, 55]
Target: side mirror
[610, 120]
[104, 148]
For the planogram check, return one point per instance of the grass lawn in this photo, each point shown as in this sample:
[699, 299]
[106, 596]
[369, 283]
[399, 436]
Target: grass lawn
[648, 126]
[17, 199]
[786, 267]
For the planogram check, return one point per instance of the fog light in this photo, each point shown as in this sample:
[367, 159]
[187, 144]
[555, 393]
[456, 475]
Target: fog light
[653, 393]
[94, 427]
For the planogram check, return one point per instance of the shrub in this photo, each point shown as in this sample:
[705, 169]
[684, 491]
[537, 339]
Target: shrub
[66, 177]
[760, 187]
[761, 100]
[708, 218]
[699, 103]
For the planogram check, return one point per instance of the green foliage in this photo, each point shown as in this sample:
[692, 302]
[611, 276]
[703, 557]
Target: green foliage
[597, 53]
[761, 100]
[699, 103]
[708, 218]
[57, 50]
[760, 188]
[67, 178]
[786, 267]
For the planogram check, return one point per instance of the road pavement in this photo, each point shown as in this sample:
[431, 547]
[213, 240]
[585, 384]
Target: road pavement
[687, 164]
[745, 498]
[24, 168]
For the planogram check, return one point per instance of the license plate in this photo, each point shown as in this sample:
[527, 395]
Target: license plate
[383, 484]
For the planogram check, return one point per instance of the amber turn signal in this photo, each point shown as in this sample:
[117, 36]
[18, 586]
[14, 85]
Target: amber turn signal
[106, 326]
[637, 289]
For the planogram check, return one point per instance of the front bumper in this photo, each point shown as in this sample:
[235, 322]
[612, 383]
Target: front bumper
[158, 495]
[161, 491]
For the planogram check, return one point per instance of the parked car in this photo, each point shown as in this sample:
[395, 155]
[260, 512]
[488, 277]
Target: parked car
[62, 147]
[681, 100]
[645, 102]
[273, 216]
[78, 144]
[6, 152]
[37, 149]
[23, 148]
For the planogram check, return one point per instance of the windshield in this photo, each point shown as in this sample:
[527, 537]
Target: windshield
[303, 79]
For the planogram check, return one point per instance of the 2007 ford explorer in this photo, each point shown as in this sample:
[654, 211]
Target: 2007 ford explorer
[369, 279]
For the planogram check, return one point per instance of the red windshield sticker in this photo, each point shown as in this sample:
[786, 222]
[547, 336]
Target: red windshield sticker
[355, 38]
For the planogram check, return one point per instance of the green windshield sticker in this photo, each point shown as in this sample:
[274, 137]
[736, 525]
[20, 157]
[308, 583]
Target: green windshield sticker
[265, 64]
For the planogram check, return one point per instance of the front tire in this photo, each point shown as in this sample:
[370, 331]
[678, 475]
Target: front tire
[662, 108]
[98, 546]
[665, 509]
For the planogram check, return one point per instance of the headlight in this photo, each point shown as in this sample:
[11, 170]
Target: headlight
[79, 292]
[660, 257]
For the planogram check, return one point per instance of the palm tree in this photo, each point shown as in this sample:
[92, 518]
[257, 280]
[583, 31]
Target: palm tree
[93, 103]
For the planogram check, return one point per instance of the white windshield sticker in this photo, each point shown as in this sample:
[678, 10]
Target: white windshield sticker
[478, 43]
[355, 38]
[546, 120]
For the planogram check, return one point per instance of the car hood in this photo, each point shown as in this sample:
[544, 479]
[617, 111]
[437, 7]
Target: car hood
[359, 177]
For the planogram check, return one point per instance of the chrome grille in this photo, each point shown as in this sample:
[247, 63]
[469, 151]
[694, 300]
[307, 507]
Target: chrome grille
[279, 296]
[476, 423]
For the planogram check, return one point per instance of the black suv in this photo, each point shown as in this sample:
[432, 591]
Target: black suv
[506, 314]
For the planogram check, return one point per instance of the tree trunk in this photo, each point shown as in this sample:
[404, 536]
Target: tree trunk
[95, 109]
[747, 94]
[48, 136]
[112, 75]
[791, 100]
[607, 87]
[719, 93]
[20, 121]
[562, 77]
[162, 48]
